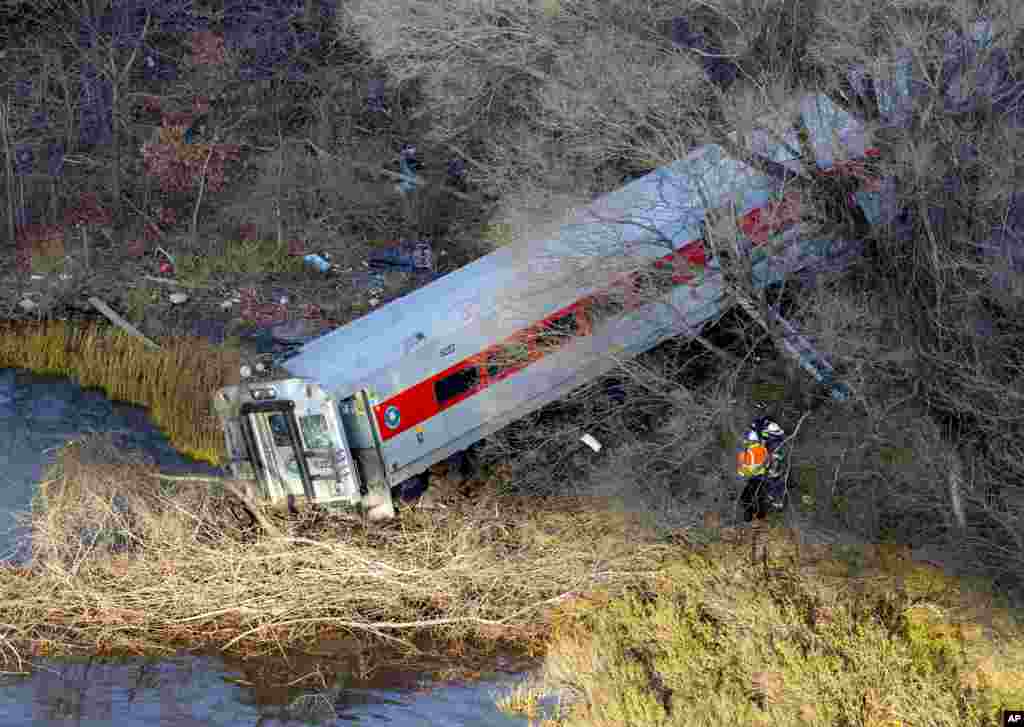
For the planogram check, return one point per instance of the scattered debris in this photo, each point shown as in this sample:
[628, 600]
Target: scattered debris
[166, 281]
[321, 262]
[404, 256]
[408, 166]
[375, 96]
[178, 298]
[166, 266]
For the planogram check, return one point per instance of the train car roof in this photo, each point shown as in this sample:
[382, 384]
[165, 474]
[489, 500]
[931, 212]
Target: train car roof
[648, 217]
[651, 216]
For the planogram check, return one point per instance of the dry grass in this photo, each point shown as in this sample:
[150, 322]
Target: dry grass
[176, 383]
[122, 566]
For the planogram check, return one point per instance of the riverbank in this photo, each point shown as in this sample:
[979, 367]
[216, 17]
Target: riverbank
[125, 564]
[764, 625]
[175, 382]
[753, 629]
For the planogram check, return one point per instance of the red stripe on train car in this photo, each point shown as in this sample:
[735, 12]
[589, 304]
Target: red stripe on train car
[418, 403]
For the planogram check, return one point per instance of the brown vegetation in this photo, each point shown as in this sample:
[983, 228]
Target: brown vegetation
[123, 563]
[176, 382]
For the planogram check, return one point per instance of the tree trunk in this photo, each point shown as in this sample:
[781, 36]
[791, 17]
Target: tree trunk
[11, 220]
[116, 141]
[955, 482]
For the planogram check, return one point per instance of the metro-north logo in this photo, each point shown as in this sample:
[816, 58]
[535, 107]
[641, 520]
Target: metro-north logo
[392, 417]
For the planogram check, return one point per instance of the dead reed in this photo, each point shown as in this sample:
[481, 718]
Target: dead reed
[122, 564]
[175, 383]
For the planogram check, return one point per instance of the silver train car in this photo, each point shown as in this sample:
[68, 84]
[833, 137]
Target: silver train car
[423, 377]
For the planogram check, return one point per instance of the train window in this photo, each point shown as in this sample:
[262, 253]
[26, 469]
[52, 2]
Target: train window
[659, 281]
[606, 305]
[314, 431]
[557, 332]
[564, 325]
[279, 428]
[507, 356]
[456, 384]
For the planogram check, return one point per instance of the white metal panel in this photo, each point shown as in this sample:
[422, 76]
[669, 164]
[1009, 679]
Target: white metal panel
[483, 301]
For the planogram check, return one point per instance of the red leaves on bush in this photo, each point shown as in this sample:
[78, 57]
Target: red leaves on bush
[270, 314]
[88, 211]
[179, 166]
[177, 118]
[207, 49]
[135, 248]
[38, 240]
[167, 216]
[248, 232]
[296, 246]
[151, 104]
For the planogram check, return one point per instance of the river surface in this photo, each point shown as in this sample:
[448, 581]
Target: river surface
[39, 414]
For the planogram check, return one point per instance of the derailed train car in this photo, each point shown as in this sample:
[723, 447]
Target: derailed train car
[383, 398]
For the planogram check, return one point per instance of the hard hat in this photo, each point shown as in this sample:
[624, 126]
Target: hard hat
[765, 425]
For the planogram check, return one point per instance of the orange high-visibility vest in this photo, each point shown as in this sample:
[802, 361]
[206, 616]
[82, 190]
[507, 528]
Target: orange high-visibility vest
[753, 460]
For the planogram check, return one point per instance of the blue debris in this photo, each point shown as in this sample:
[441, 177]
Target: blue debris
[457, 170]
[375, 96]
[196, 130]
[320, 262]
[408, 165]
[24, 160]
[404, 257]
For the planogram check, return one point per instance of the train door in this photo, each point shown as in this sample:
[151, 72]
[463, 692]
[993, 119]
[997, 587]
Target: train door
[289, 437]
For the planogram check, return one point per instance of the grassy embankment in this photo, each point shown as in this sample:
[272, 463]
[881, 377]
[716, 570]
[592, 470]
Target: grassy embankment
[782, 636]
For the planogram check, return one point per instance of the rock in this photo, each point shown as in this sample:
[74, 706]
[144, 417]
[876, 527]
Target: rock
[27, 305]
[178, 298]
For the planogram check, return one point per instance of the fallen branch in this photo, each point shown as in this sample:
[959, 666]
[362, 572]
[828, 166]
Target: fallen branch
[231, 486]
[379, 626]
[182, 283]
[199, 197]
[120, 322]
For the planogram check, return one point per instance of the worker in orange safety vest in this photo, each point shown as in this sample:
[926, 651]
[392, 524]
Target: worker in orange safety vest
[759, 462]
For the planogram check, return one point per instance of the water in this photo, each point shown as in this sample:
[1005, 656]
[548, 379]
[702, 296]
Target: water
[39, 414]
[192, 691]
